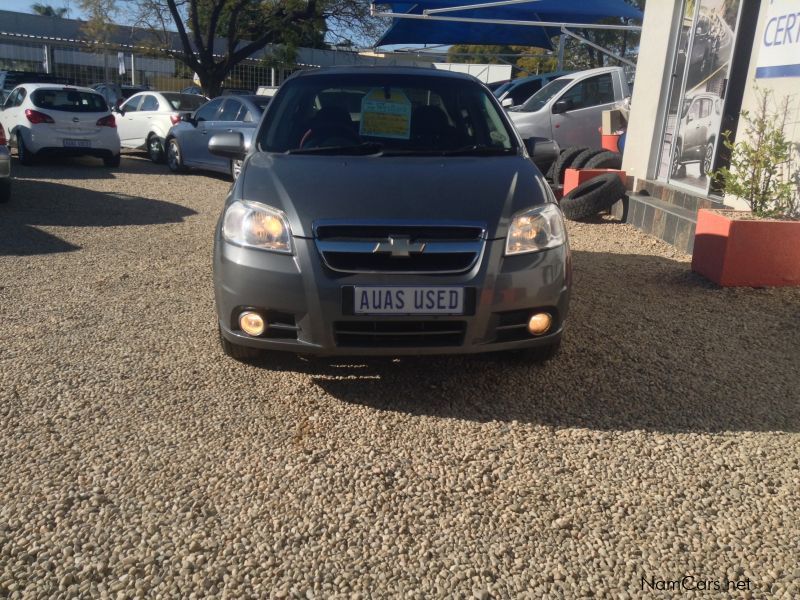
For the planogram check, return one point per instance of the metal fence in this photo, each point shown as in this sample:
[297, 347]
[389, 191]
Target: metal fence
[85, 64]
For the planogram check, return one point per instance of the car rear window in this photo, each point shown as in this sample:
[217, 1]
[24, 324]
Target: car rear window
[187, 102]
[68, 100]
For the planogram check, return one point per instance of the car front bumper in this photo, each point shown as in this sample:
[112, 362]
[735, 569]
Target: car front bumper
[311, 308]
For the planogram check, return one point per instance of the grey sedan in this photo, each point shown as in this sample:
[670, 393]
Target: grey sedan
[388, 211]
[187, 141]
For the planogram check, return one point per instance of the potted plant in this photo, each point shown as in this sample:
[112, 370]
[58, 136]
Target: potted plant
[760, 247]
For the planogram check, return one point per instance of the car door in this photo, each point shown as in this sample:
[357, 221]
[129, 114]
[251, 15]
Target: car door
[194, 142]
[10, 116]
[148, 110]
[228, 120]
[127, 117]
[692, 132]
[579, 124]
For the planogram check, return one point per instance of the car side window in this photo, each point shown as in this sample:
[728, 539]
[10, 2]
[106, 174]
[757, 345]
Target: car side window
[705, 108]
[525, 91]
[593, 91]
[230, 111]
[209, 111]
[694, 110]
[11, 100]
[149, 104]
[21, 94]
[132, 105]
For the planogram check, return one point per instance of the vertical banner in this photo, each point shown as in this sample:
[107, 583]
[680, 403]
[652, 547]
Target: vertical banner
[121, 62]
[779, 46]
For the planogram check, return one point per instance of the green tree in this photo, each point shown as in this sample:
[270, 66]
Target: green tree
[214, 36]
[48, 11]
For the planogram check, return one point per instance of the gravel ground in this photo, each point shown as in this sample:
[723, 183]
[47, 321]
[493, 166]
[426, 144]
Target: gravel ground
[137, 461]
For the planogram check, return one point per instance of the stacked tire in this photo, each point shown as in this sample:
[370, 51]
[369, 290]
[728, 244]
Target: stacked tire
[592, 197]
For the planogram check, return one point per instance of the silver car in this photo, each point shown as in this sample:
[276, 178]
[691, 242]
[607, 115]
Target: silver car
[387, 211]
[187, 141]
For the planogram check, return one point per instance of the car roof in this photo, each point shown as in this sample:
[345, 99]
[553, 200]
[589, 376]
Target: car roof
[552, 74]
[371, 70]
[55, 86]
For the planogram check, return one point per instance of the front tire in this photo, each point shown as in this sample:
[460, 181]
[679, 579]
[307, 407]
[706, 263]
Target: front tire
[708, 158]
[155, 149]
[237, 352]
[175, 156]
[24, 156]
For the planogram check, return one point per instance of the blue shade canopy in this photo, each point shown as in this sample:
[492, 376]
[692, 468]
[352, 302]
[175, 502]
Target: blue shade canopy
[424, 31]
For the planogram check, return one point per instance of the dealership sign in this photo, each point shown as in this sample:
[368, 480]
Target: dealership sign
[779, 52]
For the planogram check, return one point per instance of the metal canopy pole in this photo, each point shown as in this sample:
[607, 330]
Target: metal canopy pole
[562, 42]
[583, 40]
[433, 11]
[423, 17]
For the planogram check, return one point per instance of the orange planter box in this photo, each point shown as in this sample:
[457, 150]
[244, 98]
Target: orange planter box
[574, 177]
[746, 252]
[610, 142]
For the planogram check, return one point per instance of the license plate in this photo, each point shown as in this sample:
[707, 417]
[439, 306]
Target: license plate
[77, 144]
[408, 300]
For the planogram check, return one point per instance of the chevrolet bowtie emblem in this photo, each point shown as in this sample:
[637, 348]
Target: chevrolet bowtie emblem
[400, 247]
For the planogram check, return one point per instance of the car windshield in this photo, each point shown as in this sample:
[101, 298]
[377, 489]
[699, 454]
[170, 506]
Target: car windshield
[543, 96]
[384, 113]
[186, 102]
[68, 100]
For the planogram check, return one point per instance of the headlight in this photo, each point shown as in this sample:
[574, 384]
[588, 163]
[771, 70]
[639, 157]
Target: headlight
[536, 229]
[256, 225]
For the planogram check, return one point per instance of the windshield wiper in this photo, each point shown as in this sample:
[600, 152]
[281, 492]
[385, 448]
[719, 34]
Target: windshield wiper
[473, 150]
[355, 149]
[479, 150]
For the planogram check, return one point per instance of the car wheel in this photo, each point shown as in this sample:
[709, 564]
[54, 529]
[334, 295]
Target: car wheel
[592, 197]
[677, 166]
[24, 156]
[708, 158]
[238, 352]
[155, 150]
[5, 189]
[112, 161]
[175, 157]
[236, 169]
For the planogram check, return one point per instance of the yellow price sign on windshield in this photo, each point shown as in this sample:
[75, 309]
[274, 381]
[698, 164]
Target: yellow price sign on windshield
[386, 115]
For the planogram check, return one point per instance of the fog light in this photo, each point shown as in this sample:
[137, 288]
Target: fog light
[252, 323]
[540, 323]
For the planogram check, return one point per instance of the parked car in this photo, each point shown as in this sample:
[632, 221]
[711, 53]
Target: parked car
[115, 94]
[198, 91]
[517, 91]
[43, 118]
[145, 119]
[415, 225]
[11, 79]
[187, 141]
[696, 134]
[5, 167]
[570, 109]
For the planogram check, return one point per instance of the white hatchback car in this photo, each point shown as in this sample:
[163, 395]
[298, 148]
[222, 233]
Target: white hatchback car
[45, 118]
[146, 117]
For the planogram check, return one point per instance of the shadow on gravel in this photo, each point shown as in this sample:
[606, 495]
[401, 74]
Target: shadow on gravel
[649, 346]
[87, 167]
[40, 203]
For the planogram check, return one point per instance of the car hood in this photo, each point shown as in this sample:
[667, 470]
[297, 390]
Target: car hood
[489, 190]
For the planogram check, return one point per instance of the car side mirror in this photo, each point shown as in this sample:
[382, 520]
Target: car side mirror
[542, 151]
[507, 102]
[562, 106]
[188, 118]
[227, 145]
[119, 110]
[689, 119]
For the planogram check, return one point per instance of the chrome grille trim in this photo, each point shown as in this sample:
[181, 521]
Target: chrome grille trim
[352, 246]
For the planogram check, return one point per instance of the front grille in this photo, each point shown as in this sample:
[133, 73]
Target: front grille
[399, 334]
[399, 247]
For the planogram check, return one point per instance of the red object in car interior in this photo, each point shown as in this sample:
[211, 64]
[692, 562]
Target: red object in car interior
[175, 119]
[107, 121]
[3, 140]
[36, 117]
